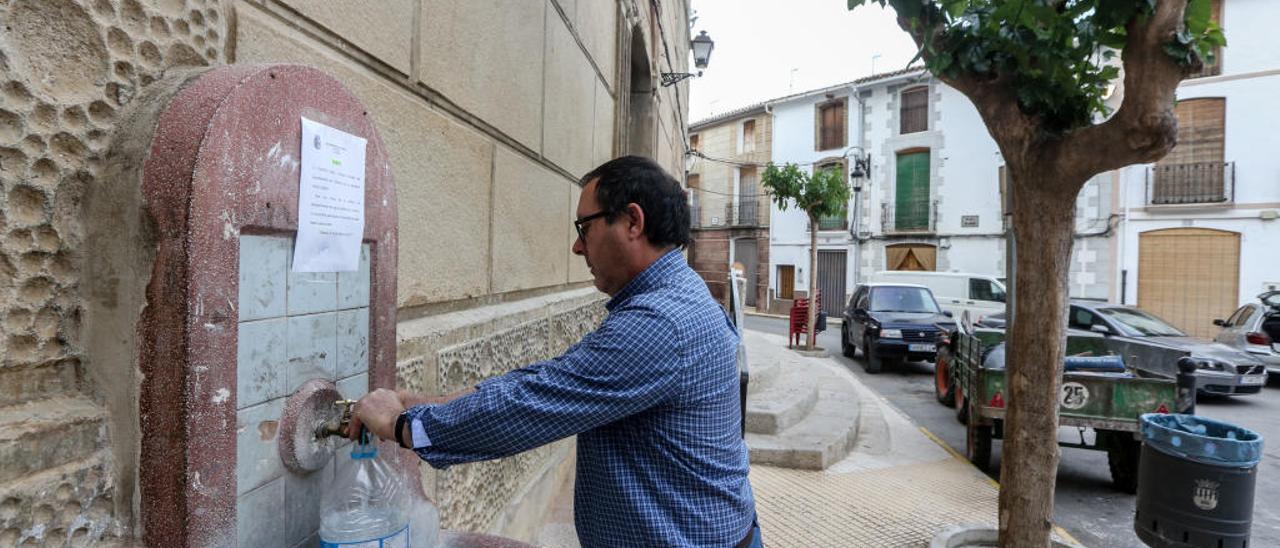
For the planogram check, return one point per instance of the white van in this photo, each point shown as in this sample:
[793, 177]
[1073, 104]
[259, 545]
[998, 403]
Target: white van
[980, 294]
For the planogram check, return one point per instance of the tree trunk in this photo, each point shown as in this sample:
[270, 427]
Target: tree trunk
[813, 281]
[1043, 223]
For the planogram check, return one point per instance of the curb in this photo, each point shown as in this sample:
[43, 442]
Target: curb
[1057, 530]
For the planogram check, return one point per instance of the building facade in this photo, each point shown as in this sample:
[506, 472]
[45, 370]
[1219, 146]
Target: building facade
[490, 112]
[1199, 227]
[729, 207]
[933, 198]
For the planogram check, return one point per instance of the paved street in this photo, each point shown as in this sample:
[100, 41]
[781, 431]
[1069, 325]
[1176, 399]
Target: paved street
[1086, 505]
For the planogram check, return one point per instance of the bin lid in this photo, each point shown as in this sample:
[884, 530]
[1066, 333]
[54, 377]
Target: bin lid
[1202, 440]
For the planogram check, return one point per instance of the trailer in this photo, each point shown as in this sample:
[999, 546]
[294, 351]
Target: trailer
[1097, 393]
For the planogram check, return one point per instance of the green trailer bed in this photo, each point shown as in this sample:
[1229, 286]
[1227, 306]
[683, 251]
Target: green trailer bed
[1107, 403]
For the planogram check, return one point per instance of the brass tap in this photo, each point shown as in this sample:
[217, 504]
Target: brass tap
[338, 426]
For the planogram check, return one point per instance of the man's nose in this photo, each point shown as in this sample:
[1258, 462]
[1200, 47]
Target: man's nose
[579, 247]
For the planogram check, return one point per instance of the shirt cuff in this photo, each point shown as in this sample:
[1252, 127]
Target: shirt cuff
[418, 434]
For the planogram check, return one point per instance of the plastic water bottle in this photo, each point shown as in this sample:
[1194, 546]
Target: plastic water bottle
[367, 505]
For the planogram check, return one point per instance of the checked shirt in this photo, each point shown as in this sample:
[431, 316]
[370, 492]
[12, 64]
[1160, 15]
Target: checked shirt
[653, 398]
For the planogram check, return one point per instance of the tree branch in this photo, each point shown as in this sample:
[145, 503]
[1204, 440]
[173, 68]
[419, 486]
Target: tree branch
[1144, 129]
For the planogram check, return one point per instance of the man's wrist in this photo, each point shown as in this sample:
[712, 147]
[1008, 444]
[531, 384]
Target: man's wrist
[404, 435]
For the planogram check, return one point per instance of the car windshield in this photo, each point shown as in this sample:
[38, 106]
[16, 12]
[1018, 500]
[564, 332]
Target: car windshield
[902, 299]
[1145, 325]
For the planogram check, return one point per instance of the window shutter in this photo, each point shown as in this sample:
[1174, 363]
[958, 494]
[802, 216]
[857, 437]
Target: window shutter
[913, 113]
[839, 125]
[1194, 171]
[912, 207]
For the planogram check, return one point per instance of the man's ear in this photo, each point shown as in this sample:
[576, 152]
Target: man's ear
[635, 220]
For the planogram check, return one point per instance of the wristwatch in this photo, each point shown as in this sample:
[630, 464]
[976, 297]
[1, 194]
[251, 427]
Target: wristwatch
[400, 422]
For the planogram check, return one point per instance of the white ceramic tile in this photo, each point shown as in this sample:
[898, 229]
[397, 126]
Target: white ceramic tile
[257, 458]
[353, 342]
[353, 388]
[260, 361]
[353, 287]
[311, 292]
[312, 343]
[264, 262]
[258, 516]
[302, 495]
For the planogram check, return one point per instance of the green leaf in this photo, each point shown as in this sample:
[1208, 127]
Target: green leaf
[1199, 15]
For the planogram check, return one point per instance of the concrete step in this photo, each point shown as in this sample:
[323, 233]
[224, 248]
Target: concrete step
[822, 437]
[31, 382]
[46, 433]
[782, 402]
[764, 372]
[72, 504]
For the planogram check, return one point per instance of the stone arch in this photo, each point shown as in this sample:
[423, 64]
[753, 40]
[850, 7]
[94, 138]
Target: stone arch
[206, 157]
[641, 120]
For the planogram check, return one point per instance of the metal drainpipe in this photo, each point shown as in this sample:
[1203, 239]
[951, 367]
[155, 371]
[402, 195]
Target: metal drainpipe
[857, 196]
[769, 281]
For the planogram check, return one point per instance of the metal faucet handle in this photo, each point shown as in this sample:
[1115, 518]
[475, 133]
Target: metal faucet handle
[340, 426]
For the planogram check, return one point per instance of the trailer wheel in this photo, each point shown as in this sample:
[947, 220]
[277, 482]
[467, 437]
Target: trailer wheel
[1123, 454]
[978, 444]
[943, 389]
[961, 404]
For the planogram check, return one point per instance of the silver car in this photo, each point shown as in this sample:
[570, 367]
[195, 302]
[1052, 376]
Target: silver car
[1152, 347]
[1255, 328]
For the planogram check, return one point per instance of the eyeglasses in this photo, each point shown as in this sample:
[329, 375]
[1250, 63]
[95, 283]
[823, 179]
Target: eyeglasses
[581, 224]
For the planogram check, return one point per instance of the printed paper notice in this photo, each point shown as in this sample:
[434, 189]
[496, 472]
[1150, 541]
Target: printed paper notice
[330, 200]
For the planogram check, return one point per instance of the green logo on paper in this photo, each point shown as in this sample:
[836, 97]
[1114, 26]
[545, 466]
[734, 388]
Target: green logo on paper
[336, 162]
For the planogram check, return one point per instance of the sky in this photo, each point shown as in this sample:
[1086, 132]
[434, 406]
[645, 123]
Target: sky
[770, 48]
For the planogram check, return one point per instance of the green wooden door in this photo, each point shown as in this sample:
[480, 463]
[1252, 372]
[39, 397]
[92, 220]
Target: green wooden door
[912, 204]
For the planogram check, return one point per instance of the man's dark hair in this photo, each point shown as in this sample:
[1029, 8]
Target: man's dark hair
[639, 180]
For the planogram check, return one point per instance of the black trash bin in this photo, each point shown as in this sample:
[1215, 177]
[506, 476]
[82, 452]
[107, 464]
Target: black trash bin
[1196, 481]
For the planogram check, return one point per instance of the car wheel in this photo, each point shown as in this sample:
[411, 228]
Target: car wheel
[943, 389]
[1123, 457]
[872, 363]
[845, 347]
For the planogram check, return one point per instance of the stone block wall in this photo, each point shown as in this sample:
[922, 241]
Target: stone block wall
[67, 68]
[453, 351]
[490, 110]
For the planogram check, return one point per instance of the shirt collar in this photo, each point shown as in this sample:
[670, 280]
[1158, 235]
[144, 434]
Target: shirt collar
[650, 278]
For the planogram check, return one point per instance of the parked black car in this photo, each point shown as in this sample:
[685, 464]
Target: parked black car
[892, 322]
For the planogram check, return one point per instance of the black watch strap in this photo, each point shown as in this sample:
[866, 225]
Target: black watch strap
[400, 429]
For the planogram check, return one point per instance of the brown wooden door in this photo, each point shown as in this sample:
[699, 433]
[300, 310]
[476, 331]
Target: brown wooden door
[912, 257]
[1189, 276]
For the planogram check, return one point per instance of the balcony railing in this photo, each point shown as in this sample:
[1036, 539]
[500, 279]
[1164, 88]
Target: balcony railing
[909, 217]
[1191, 183]
[745, 212]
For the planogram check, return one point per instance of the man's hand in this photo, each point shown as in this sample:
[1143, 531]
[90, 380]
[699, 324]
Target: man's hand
[377, 411]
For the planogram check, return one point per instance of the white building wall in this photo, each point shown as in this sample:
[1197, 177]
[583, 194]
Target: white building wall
[793, 142]
[1249, 83]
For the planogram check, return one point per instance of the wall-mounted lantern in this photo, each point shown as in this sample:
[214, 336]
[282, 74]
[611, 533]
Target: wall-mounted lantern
[702, 46]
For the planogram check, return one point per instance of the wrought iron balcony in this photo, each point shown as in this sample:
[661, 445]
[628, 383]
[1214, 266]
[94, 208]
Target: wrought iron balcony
[745, 212]
[1191, 183]
[908, 217]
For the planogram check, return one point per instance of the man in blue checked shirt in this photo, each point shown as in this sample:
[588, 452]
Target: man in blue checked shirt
[652, 394]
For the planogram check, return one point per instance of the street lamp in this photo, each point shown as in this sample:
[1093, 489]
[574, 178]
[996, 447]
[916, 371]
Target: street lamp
[860, 171]
[702, 46]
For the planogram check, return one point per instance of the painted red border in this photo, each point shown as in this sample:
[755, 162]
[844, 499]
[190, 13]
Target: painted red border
[223, 161]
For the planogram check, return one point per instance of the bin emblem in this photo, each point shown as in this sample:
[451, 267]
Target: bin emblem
[1206, 495]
